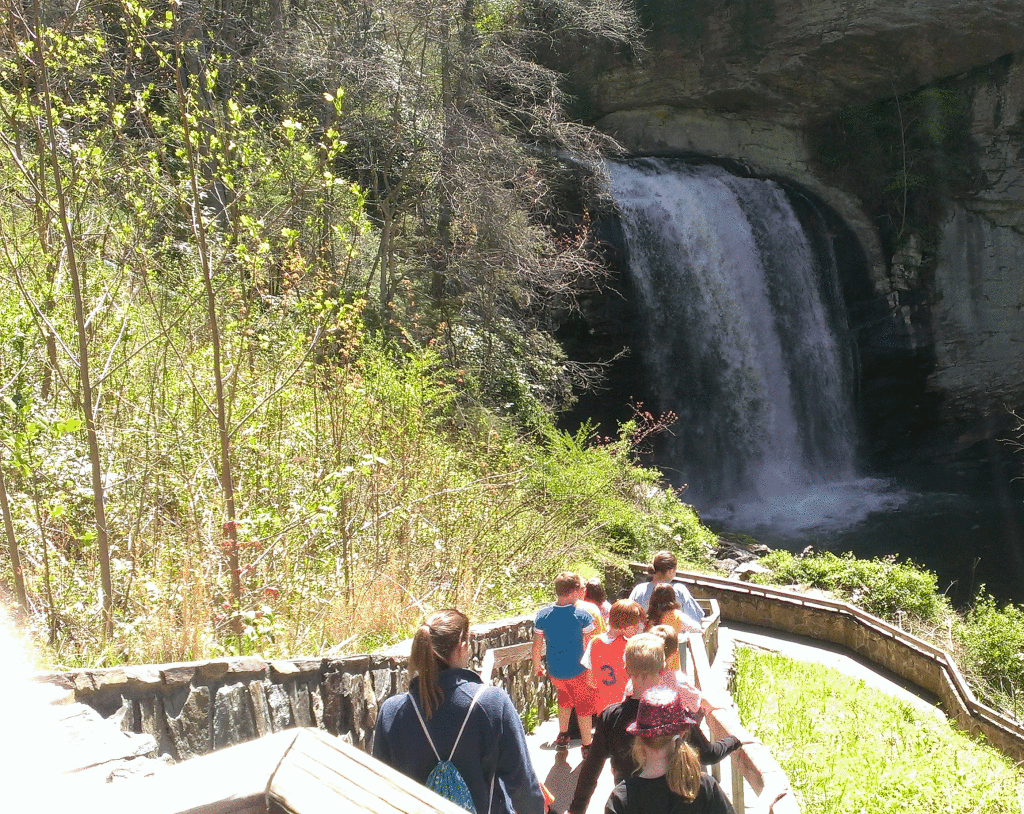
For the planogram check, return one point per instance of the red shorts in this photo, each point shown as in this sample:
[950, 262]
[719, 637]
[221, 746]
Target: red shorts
[577, 694]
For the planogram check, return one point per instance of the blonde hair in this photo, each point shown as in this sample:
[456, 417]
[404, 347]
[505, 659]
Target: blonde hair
[645, 655]
[433, 645]
[669, 638]
[683, 772]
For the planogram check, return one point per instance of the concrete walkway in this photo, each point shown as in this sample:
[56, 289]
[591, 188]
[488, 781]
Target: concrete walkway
[560, 770]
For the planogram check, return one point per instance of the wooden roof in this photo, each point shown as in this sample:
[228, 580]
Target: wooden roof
[297, 771]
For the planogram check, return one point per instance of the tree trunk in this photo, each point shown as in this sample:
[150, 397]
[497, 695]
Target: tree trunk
[88, 405]
[12, 543]
[230, 527]
[455, 54]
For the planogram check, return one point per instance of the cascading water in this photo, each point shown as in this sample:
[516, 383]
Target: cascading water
[745, 342]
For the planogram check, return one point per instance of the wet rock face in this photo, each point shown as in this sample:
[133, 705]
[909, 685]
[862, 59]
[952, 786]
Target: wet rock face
[794, 59]
[939, 306]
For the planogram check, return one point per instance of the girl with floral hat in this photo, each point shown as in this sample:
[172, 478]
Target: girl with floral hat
[669, 780]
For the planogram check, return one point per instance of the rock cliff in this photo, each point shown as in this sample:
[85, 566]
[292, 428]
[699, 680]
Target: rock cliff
[906, 121]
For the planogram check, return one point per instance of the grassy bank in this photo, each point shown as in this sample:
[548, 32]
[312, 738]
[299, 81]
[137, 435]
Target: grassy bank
[848, 748]
[986, 640]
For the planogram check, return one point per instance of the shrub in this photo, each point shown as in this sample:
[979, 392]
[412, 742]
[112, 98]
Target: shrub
[993, 638]
[884, 587]
[620, 505]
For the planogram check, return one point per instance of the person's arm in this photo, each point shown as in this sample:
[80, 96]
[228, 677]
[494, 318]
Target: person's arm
[514, 765]
[683, 624]
[590, 769]
[588, 632]
[586, 649]
[688, 603]
[709, 752]
[538, 653]
[587, 661]
[381, 748]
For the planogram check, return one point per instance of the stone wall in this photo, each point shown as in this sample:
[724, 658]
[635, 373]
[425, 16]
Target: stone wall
[907, 656]
[193, 708]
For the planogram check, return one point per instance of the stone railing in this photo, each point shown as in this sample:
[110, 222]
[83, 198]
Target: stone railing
[194, 708]
[911, 658]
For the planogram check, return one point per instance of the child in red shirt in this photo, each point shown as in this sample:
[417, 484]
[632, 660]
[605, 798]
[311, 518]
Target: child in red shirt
[605, 655]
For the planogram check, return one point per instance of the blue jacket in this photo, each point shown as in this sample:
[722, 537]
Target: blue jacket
[493, 743]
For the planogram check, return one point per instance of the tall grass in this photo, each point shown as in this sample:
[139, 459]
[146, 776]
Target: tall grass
[369, 495]
[848, 748]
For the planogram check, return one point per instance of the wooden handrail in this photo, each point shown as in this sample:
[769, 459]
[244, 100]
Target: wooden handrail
[753, 762]
[497, 657]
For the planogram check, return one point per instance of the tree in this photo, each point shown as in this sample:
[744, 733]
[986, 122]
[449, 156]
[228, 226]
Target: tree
[458, 133]
[49, 173]
[12, 542]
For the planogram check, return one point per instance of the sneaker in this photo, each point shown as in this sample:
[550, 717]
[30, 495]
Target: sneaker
[562, 742]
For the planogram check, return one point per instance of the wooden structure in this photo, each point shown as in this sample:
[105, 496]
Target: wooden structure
[916, 661]
[298, 771]
[752, 765]
[498, 657]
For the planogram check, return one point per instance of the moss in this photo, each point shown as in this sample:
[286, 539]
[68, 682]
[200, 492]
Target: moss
[904, 156]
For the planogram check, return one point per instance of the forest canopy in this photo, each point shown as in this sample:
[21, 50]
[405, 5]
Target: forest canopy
[279, 284]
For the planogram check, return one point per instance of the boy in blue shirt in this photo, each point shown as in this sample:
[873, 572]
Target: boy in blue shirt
[566, 629]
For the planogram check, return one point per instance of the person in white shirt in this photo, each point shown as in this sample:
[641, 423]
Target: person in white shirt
[663, 571]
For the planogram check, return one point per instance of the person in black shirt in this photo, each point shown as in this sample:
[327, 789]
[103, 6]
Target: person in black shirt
[645, 662]
[669, 779]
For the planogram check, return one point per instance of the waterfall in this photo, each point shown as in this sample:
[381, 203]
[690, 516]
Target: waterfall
[743, 337]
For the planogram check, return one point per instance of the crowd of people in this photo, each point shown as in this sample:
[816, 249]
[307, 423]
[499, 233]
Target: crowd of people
[616, 667]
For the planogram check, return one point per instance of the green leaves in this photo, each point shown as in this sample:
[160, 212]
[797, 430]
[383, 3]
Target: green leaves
[884, 587]
[68, 425]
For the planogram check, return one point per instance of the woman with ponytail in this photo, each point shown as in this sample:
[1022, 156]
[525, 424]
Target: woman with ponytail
[669, 780]
[445, 698]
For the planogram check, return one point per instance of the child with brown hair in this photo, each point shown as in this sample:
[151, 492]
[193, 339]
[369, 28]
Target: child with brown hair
[605, 655]
[563, 630]
[664, 611]
[594, 592]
